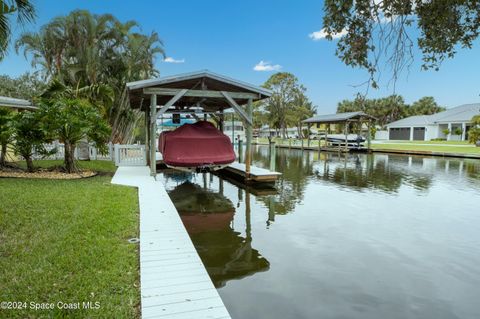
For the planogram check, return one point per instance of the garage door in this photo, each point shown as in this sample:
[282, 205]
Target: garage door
[399, 133]
[419, 134]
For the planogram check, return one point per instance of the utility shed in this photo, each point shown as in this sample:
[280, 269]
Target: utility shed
[343, 119]
[201, 93]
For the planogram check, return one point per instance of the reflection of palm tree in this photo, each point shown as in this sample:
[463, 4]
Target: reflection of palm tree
[296, 167]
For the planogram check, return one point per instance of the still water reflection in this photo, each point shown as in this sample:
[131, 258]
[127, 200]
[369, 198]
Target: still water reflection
[361, 236]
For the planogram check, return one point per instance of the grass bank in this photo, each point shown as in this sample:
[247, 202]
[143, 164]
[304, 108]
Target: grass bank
[454, 147]
[429, 147]
[65, 241]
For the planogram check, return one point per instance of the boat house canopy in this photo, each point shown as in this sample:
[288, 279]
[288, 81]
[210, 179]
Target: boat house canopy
[340, 118]
[203, 89]
[198, 92]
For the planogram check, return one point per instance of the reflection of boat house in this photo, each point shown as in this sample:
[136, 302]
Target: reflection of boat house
[208, 217]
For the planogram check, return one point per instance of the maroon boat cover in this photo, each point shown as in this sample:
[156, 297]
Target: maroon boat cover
[193, 145]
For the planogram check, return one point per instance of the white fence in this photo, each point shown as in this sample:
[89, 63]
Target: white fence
[130, 155]
[122, 154]
[94, 154]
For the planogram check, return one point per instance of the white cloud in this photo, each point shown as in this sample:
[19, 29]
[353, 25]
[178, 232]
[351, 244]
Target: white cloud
[266, 66]
[172, 60]
[318, 35]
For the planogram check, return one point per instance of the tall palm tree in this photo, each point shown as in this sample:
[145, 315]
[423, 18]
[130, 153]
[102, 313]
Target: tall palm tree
[88, 52]
[25, 13]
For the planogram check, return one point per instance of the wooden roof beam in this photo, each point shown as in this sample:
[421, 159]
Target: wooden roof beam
[237, 107]
[200, 93]
[172, 101]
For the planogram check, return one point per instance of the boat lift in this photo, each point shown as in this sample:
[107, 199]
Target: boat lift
[198, 93]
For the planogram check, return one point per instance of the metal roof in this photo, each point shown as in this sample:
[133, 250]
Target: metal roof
[200, 80]
[338, 117]
[416, 120]
[462, 113]
[16, 103]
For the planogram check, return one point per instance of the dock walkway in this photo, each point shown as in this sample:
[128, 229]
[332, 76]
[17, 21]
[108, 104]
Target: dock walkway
[173, 280]
[257, 174]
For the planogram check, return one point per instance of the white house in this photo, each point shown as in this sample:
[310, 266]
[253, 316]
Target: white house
[452, 125]
[234, 130]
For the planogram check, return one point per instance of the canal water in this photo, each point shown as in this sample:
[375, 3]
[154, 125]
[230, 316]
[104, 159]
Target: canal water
[355, 236]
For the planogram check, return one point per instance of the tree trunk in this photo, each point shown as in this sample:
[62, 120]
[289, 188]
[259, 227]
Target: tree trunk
[69, 161]
[3, 155]
[29, 161]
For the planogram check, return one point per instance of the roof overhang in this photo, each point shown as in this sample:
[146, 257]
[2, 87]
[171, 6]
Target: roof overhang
[339, 118]
[202, 89]
[13, 103]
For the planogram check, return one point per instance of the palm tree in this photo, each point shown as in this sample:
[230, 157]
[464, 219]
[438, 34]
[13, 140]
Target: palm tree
[25, 13]
[89, 53]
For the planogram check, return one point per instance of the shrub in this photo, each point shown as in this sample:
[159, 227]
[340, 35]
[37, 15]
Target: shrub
[457, 131]
[29, 137]
[71, 120]
[474, 135]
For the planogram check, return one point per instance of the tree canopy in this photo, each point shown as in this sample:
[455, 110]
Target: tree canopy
[97, 54]
[371, 30]
[287, 106]
[22, 10]
[391, 108]
[27, 86]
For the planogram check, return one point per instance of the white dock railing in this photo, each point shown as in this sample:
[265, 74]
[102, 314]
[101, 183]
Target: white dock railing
[130, 155]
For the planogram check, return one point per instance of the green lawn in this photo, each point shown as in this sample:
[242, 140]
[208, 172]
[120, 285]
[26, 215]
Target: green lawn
[66, 241]
[431, 142]
[429, 146]
[433, 147]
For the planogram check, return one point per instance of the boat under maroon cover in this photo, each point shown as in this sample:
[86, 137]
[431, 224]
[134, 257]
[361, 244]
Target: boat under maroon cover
[194, 147]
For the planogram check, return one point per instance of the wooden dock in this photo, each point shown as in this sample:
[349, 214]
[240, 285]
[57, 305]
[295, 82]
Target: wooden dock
[173, 280]
[257, 174]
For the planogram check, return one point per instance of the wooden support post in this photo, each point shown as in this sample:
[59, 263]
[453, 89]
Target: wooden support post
[233, 129]
[346, 136]
[147, 135]
[327, 130]
[248, 149]
[369, 136]
[220, 185]
[153, 134]
[271, 209]
[221, 118]
[308, 135]
[240, 150]
[272, 155]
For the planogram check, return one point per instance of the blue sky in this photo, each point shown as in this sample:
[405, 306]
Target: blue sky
[231, 37]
